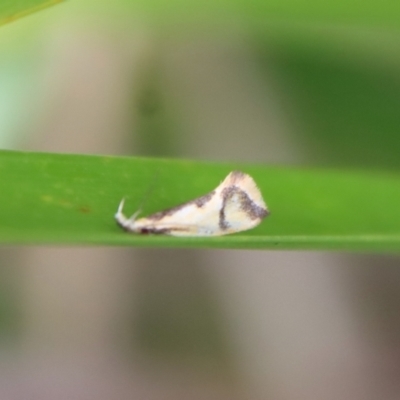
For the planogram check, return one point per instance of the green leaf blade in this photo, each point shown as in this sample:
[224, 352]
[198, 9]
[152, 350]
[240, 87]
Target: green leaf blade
[71, 199]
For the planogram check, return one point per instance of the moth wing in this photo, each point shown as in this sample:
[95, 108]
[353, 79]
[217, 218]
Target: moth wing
[242, 204]
[236, 212]
[236, 216]
[245, 183]
[188, 219]
[187, 230]
[235, 205]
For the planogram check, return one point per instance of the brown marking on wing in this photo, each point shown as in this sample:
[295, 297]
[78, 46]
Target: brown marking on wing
[223, 223]
[157, 231]
[199, 202]
[253, 210]
[160, 231]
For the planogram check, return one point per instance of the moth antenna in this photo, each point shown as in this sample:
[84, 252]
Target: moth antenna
[148, 192]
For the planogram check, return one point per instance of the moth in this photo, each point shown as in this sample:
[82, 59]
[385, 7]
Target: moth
[235, 205]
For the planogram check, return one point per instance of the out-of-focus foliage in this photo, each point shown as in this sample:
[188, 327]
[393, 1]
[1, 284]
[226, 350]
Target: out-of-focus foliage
[11, 10]
[344, 89]
[358, 12]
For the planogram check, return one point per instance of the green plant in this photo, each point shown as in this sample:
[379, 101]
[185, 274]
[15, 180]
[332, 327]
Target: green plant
[71, 199]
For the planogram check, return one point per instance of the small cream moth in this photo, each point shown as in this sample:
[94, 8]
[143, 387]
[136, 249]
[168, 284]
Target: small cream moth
[235, 205]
